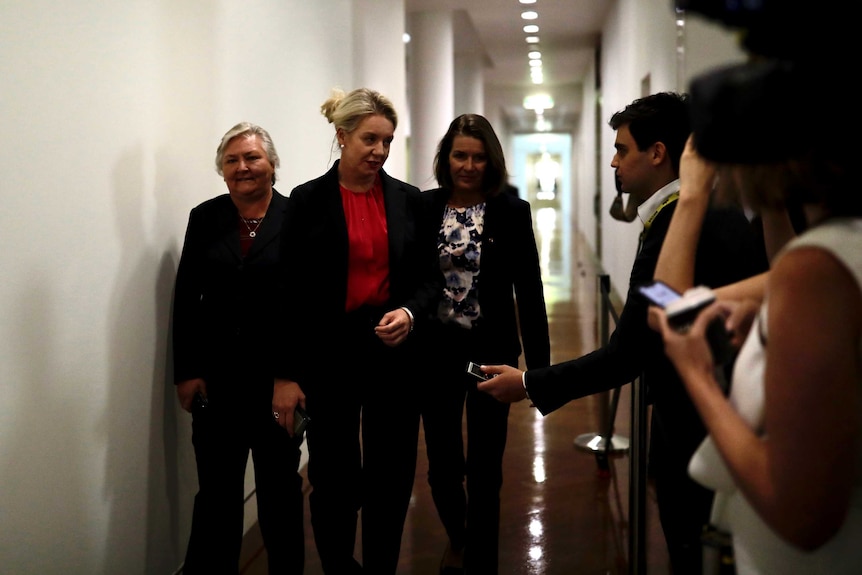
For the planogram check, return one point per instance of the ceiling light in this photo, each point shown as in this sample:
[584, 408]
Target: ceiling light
[529, 15]
[538, 102]
[534, 55]
[528, 1]
[535, 62]
[405, 38]
[532, 39]
[542, 125]
[531, 29]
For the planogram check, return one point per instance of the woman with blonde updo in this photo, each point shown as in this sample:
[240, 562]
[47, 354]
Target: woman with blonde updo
[360, 274]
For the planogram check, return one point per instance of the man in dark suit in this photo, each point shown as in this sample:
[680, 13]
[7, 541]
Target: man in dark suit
[650, 136]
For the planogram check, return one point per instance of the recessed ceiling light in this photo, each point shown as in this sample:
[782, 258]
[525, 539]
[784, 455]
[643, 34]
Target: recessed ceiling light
[542, 125]
[405, 38]
[534, 63]
[529, 15]
[531, 29]
[528, 1]
[534, 55]
[538, 102]
[532, 39]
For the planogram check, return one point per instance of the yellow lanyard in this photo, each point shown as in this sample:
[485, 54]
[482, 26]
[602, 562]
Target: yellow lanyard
[667, 201]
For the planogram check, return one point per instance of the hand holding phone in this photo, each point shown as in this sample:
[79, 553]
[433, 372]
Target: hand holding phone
[682, 309]
[658, 293]
[474, 370]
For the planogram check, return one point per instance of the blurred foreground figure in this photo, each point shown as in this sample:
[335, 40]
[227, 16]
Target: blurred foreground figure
[784, 450]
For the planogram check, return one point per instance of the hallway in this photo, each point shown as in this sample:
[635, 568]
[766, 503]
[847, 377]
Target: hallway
[560, 515]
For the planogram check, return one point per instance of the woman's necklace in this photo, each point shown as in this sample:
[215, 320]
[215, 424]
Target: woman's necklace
[255, 221]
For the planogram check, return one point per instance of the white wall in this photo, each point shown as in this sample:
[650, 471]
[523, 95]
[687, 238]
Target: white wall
[432, 90]
[379, 63]
[585, 152]
[111, 114]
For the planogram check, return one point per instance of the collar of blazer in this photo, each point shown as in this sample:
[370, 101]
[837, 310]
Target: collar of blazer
[269, 227]
[394, 201]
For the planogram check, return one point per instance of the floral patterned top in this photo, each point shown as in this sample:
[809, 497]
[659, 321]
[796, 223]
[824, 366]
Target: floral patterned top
[460, 245]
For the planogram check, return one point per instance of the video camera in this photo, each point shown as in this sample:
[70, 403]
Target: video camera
[783, 29]
[771, 107]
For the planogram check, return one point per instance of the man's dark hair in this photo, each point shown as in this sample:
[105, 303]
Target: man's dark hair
[663, 117]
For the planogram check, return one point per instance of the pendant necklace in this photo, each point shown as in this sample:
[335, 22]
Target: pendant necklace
[256, 221]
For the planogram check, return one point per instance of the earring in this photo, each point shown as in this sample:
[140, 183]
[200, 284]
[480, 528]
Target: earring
[341, 146]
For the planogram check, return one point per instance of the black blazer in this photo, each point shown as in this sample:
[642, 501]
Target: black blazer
[727, 251]
[223, 302]
[313, 288]
[509, 275]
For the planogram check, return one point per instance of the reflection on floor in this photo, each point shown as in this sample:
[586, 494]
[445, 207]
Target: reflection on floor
[560, 515]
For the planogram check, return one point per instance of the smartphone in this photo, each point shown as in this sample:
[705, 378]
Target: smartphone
[200, 401]
[682, 311]
[659, 293]
[301, 420]
[474, 370]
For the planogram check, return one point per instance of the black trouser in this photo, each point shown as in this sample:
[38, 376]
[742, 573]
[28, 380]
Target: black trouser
[365, 384]
[223, 434]
[683, 504]
[471, 518]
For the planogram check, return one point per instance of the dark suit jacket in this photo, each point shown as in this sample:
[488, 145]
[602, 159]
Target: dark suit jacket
[315, 261]
[222, 301]
[727, 252]
[509, 265]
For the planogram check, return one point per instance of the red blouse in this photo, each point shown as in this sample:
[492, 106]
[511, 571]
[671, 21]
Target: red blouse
[368, 236]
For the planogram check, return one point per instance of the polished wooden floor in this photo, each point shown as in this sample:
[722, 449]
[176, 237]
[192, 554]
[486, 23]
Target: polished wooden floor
[561, 515]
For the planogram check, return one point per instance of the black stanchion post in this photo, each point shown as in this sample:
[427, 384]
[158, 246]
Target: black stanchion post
[603, 442]
[637, 479]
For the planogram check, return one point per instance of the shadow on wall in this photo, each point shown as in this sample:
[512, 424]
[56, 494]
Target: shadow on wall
[164, 500]
[139, 422]
[171, 460]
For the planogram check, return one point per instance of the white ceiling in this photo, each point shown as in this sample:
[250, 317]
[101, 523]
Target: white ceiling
[569, 32]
